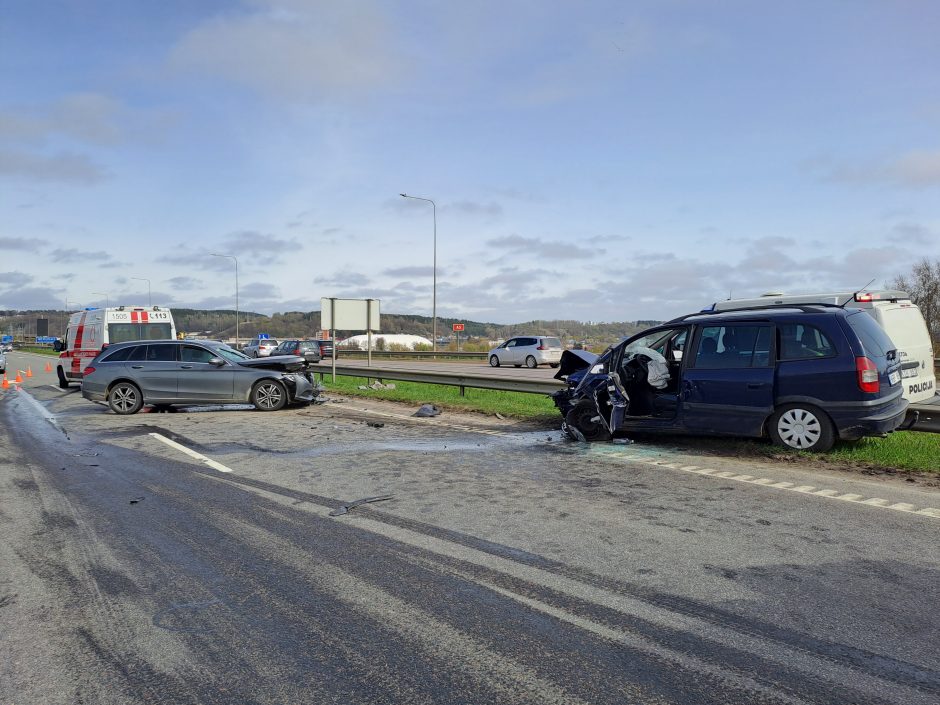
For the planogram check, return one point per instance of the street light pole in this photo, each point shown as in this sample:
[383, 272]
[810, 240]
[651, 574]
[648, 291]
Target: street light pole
[434, 269]
[233, 257]
[149, 299]
[107, 299]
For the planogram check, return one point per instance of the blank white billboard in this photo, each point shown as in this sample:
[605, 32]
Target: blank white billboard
[350, 314]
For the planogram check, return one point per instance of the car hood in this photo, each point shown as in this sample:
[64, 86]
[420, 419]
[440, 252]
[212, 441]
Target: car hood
[281, 363]
[574, 360]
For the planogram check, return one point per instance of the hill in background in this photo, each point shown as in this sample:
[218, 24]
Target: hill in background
[221, 324]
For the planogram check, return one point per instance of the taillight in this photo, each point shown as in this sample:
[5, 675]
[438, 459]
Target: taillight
[867, 375]
[88, 370]
[541, 347]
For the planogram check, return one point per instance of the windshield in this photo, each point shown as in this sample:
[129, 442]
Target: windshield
[230, 354]
[129, 332]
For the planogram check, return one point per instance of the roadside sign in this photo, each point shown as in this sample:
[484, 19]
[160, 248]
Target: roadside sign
[6, 339]
[45, 339]
[263, 336]
[458, 326]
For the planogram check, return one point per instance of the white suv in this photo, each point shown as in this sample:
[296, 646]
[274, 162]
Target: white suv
[260, 347]
[528, 350]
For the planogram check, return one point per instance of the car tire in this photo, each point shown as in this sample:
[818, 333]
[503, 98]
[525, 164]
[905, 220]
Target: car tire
[531, 362]
[125, 398]
[802, 427]
[269, 395]
[63, 380]
[494, 361]
[582, 417]
[553, 365]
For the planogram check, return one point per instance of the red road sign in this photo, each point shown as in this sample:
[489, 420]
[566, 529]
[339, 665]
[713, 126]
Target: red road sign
[458, 326]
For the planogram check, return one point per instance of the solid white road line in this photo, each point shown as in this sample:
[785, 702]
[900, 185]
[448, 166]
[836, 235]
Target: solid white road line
[191, 453]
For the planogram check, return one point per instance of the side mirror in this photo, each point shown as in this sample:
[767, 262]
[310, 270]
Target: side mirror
[58, 345]
[217, 361]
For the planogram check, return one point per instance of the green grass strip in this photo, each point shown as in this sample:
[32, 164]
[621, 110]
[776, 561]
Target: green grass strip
[487, 401]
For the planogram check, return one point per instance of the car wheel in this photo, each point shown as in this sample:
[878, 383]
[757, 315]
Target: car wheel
[531, 362]
[585, 418]
[553, 365]
[63, 380]
[494, 361]
[802, 427]
[125, 398]
[269, 395]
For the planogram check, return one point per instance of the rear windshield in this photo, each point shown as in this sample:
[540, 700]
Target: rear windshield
[552, 342]
[874, 340]
[128, 332]
[309, 345]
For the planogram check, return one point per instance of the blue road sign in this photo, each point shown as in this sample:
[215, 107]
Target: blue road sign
[262, 336]
[46, 339]
[6, 339]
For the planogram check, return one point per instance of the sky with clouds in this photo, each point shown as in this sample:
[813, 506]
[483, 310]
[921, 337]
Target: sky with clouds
[589, 160]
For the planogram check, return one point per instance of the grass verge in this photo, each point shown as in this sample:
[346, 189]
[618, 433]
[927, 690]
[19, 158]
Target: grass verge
[904, 450]
[487, 401]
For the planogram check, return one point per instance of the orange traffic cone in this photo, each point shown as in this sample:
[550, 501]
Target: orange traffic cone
[19, 377]
[29, 371]
[6, 382]
[48, 367]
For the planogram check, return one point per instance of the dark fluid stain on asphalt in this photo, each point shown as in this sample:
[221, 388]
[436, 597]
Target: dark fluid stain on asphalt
[28, 485]
[112, 582]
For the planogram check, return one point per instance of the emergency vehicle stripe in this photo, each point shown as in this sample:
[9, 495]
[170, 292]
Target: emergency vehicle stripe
[144, 317]
[134, 317]
[79, 334]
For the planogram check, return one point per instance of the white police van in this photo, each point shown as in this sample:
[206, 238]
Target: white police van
[895, 313]
[93, 329]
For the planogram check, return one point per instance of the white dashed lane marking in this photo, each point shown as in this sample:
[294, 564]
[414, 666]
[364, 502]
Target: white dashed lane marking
[822, 493]
[191, 453]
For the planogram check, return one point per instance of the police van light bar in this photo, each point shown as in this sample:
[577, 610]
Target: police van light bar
[866, 297]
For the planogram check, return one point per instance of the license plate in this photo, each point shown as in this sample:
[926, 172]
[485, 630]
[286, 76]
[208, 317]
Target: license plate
[910, 372]
[894, 378]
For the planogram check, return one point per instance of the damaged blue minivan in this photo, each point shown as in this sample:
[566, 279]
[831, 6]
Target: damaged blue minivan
[804, 376]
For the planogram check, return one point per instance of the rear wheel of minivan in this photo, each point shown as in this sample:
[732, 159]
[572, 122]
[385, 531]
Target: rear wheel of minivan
[531, 362]
[803, 427]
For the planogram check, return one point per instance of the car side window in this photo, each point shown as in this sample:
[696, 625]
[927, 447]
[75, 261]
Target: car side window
[138, 353]
[161, 353]
[511, 343]
[119, 355]
[734, 347]
[802, 342]
[191, 353]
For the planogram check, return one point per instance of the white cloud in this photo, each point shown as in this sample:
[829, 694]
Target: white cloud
[65, 167]
[296, 50]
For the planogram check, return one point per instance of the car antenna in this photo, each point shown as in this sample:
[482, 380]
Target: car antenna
[856, 293]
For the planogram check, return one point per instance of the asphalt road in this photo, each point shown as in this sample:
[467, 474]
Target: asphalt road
[192, 558]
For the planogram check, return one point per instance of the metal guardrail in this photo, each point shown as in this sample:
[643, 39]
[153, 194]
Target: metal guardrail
[411, 354]
[453, 379]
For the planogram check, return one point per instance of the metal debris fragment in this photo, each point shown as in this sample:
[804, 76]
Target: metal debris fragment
[427, 410]
[344, 509]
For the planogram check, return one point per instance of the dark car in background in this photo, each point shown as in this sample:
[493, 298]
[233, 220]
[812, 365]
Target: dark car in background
[803, 376]
[163, 373]
[309, 350]
[326, 348]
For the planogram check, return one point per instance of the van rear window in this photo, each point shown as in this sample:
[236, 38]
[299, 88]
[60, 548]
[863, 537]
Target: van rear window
[129, 332]
[874, 340]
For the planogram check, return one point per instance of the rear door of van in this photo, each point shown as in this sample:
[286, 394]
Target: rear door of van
[905, 325]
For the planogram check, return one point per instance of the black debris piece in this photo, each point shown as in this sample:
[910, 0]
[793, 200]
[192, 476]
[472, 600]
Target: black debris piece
[374, 424]
[344, 509]
[426, 411]
[136, 500]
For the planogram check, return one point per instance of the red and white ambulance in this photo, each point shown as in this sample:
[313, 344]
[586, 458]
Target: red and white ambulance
[93, 329]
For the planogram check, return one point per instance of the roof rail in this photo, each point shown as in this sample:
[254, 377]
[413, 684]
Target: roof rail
[805, 308]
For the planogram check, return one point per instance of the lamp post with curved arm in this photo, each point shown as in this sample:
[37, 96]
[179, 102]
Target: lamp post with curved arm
[233, 257]
[434, 269]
